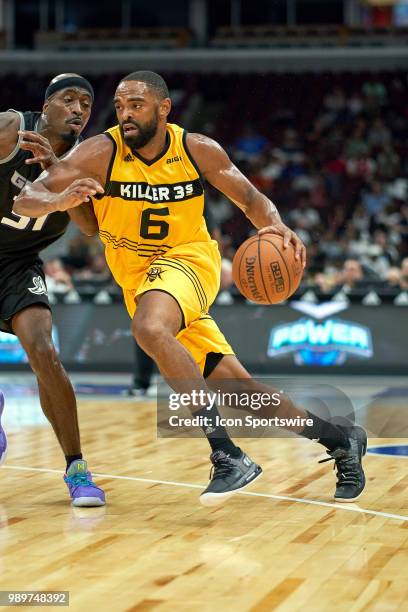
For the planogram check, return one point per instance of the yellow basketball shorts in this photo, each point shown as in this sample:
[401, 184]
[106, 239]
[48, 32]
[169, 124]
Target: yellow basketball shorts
[191, 275]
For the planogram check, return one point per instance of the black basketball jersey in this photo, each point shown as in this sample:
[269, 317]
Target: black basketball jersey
[20, 236]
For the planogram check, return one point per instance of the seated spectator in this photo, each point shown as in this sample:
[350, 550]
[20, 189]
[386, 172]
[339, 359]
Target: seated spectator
[375, 199]
[357, 144]
[361, 220]
[362, 167]
[334, 170]
[379, 135]
[393, 278]
[221, 207]
[324, 282]
[96, 271]
[375, 94]
[355, 104]
[57, 278]
[318, 192]
[388, 163]
[335, 101]
[272, 168]
[250, 144]
[351, 276]
[389, 252]
[304, 214]
[291, 148]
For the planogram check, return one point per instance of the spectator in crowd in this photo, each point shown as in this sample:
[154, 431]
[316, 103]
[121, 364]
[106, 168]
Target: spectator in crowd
[393, 278]
[272, 169]
[357, 145]
[96, 271]
[360, 220]
[388, 162]
[361, 167]
[351, 276]
[375, 95]
[375, 199]
[378, 135]
[335, 101]
[291, 153]
[355, 104]
[336, 165]
[250, 144]
[57, 278]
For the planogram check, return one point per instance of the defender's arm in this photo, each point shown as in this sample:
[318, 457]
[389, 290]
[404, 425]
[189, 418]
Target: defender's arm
[70, 183]
[9, 126]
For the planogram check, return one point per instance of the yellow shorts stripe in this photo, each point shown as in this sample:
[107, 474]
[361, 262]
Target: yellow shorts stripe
[202, 298]
[181, 263]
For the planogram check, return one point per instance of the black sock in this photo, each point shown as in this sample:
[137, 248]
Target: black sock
[325, 433]
[70, 458]
[217, 435]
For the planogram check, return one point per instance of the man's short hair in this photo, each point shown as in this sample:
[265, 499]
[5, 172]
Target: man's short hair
[152, 79]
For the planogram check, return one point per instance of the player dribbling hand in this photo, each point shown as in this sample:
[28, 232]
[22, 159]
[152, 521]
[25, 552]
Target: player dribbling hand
[289, 236]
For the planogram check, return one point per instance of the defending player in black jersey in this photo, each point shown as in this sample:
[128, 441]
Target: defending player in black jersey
[29, 143]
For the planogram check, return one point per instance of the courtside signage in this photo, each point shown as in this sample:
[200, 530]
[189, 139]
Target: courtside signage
[325, 341]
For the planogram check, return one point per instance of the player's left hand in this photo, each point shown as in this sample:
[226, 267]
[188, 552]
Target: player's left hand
[289, 237]
[39, 147]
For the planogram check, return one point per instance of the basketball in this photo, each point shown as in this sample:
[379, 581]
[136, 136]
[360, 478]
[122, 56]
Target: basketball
[264, 271]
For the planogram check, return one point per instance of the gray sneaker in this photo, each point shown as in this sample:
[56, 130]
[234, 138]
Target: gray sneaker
[349, 463]
[228, 476]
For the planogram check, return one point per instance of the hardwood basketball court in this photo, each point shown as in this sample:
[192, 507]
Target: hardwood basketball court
[283, 545]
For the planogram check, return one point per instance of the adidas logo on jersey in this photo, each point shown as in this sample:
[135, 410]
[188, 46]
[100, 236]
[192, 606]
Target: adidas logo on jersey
[39, 286]
[171, 160]
[128, 158]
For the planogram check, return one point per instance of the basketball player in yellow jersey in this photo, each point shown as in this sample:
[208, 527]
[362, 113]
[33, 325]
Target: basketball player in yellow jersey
[146, 180]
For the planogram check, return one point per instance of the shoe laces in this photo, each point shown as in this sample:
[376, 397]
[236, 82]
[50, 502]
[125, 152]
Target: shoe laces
[347, 467]
[81, 480]
[222, 466]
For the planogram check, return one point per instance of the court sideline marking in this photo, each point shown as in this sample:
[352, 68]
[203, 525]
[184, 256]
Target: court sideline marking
[338, 506]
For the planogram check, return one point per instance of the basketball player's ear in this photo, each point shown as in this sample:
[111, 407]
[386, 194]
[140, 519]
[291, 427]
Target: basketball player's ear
[45, 107]
[165, 107]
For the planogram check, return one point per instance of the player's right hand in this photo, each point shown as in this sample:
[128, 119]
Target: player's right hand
[77, 193]
[39, 146]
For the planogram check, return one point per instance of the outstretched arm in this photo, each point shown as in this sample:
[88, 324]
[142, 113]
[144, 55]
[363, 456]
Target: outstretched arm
[217, 168]
[70, 183]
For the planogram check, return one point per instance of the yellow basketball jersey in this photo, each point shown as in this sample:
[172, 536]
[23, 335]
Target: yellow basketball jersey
[149, 207]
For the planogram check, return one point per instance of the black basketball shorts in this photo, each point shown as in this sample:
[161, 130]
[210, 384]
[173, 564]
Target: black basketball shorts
[22, 283]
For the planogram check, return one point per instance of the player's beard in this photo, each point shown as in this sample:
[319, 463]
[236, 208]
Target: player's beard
[146, 133]
[69, 138]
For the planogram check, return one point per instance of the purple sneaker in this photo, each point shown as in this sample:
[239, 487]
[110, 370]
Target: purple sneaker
[3, 437]
[83, 491]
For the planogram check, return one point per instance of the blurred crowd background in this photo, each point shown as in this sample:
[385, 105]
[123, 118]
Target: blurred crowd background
[329, 150]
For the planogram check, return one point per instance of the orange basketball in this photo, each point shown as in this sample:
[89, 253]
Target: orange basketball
[264, 271]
